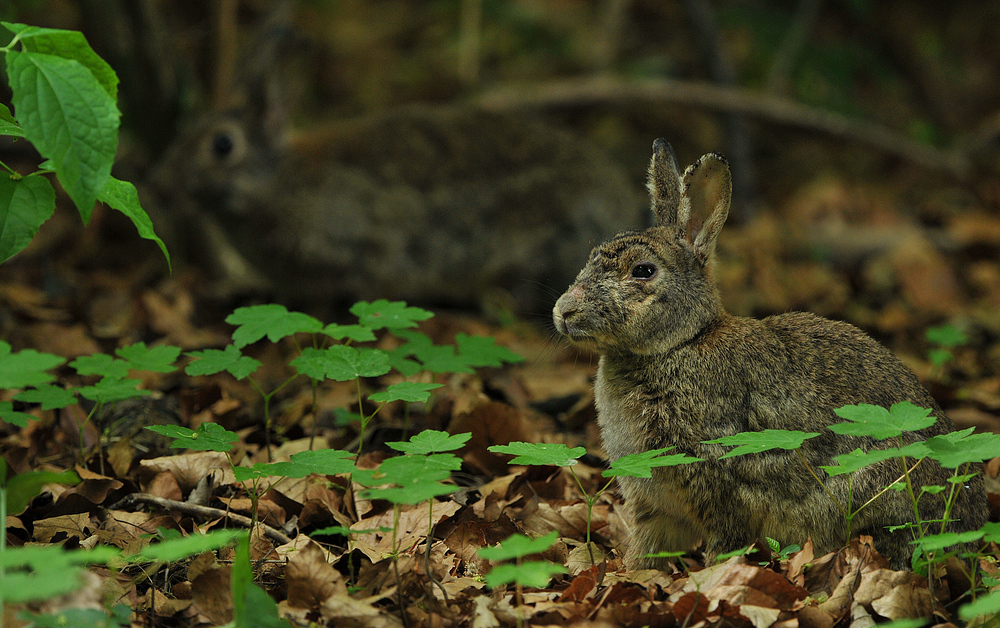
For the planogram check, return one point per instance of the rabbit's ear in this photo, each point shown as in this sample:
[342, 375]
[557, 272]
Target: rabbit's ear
[708, 188]
[666, 190]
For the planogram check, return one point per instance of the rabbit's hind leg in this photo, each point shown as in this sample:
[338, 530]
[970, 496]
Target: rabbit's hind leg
[660, 528]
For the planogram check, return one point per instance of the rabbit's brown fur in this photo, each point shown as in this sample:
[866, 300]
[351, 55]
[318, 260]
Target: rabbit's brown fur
[677, 370]
[436, 205]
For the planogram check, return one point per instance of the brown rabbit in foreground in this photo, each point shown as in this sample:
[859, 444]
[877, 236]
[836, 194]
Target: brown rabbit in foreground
[435, 205]
[676, 370]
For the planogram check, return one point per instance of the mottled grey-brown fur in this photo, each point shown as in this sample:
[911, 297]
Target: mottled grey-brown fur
[676, 370]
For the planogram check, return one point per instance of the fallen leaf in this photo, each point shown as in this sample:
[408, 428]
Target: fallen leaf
[310, 579]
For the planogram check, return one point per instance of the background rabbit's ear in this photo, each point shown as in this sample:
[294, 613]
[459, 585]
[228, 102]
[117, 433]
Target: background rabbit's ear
[664, 183]
[709, 188]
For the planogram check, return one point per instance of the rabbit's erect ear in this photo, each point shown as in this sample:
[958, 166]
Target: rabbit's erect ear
[666, 190]
[708, 186]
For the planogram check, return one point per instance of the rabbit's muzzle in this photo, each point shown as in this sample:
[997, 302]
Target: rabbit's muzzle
[565, 314]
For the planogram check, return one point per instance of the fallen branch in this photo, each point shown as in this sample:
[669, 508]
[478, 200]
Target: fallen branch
[134, 499]
[777, 109]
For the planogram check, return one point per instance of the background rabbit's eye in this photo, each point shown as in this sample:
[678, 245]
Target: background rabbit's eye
[643, 271]
[222, 145]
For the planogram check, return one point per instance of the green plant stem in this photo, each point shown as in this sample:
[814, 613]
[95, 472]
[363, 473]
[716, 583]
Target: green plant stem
[950, 503]
[886, 488]
[267, 408]
[826, 489]
[913, 497]
[3, 537]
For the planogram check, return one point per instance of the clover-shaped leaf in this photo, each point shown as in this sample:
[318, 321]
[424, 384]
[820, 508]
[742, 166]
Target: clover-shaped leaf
[109, 390]
[357, 333]
[12, 416]
[49, 396]
[211, 361]
[412, 493]
[101, 364]
[271, 320]
[518, 546]
[641, 465]
[208, 436]
[531, 573]
[342, 363]
[484, 351]
[431, 441]
[384, 314]
[555, 454]
[764, 440]
[405, 391]
[954, 449]
[946, 336]
[406, 470]
[25, 368]
[158, 359]
[866, 419]
[858, 459]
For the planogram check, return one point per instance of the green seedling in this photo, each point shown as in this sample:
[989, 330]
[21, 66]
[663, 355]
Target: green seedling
[532, 573]
[782, 552]
[945, 338]
[64, 97]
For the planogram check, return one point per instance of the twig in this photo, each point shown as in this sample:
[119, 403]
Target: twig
[226, 51]
[606, 89]
[194, 510]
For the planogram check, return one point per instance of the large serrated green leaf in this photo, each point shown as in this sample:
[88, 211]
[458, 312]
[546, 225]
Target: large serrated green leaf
[122, 196]
[25, 368]
[271, 320]
[69, 117]
[69, 45]
[519, 546]
[25, 203]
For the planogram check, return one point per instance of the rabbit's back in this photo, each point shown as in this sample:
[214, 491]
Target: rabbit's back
[437, 205]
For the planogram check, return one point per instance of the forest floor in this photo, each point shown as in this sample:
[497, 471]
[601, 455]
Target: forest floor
[77, 293]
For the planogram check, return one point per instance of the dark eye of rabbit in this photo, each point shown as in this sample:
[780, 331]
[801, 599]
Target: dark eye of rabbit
[643, 271]
[222, 145]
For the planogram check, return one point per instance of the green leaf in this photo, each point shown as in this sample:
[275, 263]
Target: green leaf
[69, 45]
[935, 542]
[940, 357]
[25, 368]
[484, 351]
[641, 465]
[991, 532]
[50, 397]
[342, 363]
[759, 442]
[211, 361]
[319, 461]
[271, 320]
[158, 359]
[25, 203]
[413, 493]
[259, 610]
[109, 390]
[100, 364]
[986, 605]
[208, 436]
[8, 125]
[24, 487]
[45, 571]
[518, 546]
[946, 336]
[532, 573]
[409, 470]
[954, 449]
[122, 196]
[357, 333]
[77, 618]
[12, 416]
[69, 117]
[405, 391]
[184, 547]
[866, 419]
[431, 441]
[384, 314]
[858, 459]
[442, 359]
[555, 454]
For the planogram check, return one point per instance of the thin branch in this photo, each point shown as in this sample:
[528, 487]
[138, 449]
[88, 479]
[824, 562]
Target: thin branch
[604, 90]
[134, 499]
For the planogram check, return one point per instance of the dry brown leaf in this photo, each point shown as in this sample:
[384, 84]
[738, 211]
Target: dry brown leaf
[55, 529]
[310, 579]
[584, 558]
[164, 485]
[904, 594]
[188, 469]
[759, 616]
[210, 591]
[583, 585]
[412, 529]
[344, 610]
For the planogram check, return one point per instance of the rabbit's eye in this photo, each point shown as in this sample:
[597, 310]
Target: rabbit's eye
[222, 145]
[644, 270]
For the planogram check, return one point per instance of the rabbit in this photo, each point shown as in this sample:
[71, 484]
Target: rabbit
[676, 370]
[434, 205]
